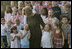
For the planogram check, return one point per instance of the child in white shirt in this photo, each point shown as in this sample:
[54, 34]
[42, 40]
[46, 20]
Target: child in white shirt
[46, 41]
[15, 40]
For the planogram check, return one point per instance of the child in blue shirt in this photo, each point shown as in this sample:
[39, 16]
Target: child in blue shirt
[25, 35]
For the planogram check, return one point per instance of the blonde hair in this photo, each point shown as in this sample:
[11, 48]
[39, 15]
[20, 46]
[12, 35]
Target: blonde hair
[27, 7]
[23, 11]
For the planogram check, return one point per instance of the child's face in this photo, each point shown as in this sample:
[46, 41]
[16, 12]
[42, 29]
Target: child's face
[15, 31]
[9, 23]
[55, 27]
[58, 31]
[50, 13]
[26, 27]
[3, 21]
[64, 20]
[46, 27]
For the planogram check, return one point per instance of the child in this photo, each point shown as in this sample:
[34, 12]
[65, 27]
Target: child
[15, 40]
[58, 36]
[3, 32]
[47, 37]
[8, 27]
[8, 14]
[51, 19]
[19, 25]
[66, 28]
[44, 14]
[25, 35]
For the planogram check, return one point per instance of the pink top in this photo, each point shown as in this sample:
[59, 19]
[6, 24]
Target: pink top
[20, 17]
[7, 17]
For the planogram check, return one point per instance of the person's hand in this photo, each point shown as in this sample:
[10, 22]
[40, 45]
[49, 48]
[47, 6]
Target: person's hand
[4, 30]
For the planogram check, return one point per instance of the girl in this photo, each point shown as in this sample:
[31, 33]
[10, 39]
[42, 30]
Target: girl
[51, 19]
[3, 32]
[8, 13]
[58, 36]
[25, 35]
[15, 40]
[44, 14]
[47, 37]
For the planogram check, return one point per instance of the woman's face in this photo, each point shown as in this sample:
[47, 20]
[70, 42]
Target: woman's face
[28, 12]
[12, 3]
[54, 3]
[50, 12]
[43, 12]
[20, 4]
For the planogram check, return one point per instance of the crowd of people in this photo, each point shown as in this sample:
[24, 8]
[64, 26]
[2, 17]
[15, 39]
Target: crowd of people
[36, 24]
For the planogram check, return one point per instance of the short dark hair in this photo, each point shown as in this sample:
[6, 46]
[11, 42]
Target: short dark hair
[13, 28]
[2, 19]
[46, 11]
[65, 17]
[9, 9]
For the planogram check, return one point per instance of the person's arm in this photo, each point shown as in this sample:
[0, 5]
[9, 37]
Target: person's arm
[41, 21]
[25, 34]
[22, 36]
[51, 39]
[68, 37]
[63, 37]
[29, 35]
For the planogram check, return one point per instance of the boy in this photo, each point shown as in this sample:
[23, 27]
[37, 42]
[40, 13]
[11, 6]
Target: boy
[66, 29]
